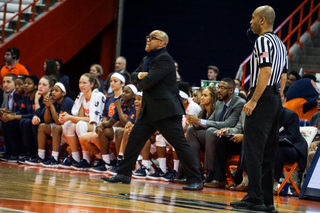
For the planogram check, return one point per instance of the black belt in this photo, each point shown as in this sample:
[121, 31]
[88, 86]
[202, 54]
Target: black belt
[275, 87]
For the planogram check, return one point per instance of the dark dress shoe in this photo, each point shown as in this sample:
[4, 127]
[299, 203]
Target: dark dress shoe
[247, 205]
[117, 179]
[193, 186]
[270, 208]
[241, 187]
[181, 181]
[216, 184]
[231, 185]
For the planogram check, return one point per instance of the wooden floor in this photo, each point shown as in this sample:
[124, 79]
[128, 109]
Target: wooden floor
[38, 189]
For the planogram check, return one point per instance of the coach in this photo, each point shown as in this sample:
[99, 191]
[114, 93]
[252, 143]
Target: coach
[263, 110]
[161, 110]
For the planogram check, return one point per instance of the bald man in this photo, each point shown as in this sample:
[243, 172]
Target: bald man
[120, 67]
[263, 111]
[161, 110]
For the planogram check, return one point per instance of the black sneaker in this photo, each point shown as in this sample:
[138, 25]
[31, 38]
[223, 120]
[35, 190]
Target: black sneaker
[100, 167]
[22, 159]
[13, 159]
[5, 157]
[67, 163]
[141, 173]
[50, 162]
[34, 161]
[83, 165]
[169, 176]
[157, 175]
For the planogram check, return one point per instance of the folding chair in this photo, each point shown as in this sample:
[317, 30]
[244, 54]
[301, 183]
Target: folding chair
[308, 132]
[232, 164]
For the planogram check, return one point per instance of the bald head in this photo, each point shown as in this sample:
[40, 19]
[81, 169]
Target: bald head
[157, 39]
[268, 13]
[162, 35]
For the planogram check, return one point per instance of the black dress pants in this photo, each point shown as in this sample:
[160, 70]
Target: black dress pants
[224, 148]
[171, 129]
[261, 133]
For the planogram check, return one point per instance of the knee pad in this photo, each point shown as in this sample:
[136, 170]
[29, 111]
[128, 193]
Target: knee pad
[81, 128]
[68, 129]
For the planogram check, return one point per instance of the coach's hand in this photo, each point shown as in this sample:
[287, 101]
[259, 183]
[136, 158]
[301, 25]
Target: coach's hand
[249, 107]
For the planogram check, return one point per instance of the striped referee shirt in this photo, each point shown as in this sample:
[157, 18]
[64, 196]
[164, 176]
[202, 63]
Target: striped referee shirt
[268, 51]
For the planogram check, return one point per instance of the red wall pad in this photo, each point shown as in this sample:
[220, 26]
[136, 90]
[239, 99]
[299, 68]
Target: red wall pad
[62, 32]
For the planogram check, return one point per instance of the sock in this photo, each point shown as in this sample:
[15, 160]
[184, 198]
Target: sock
[120, 153]
[42, 153]
[146, 163]
[245, 179]
[112, 156]
[163, 164]
[106, 158]
[76, 156]
[99, 156]
[176, 165]
[55, 155]
[86, 156]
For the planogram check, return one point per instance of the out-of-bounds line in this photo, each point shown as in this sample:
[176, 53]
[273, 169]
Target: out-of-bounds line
[14, 210]
[58, 203]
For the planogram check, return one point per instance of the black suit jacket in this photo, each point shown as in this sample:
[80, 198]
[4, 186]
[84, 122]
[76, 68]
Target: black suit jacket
[291, 134]
[160, 89]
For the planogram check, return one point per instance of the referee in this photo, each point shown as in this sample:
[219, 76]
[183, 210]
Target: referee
[263, 110]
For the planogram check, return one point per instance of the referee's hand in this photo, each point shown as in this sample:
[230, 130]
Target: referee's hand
[249, 107]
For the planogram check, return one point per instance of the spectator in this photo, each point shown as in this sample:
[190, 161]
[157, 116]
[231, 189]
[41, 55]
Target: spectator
[63, 78]
[96, 71]
[196, 95]
[315, 121]
[51, 69]
[12, 65]
[238, 83]
[213, 73]
[292, 146]
[120, 67]
[179, 78]
[293, 77]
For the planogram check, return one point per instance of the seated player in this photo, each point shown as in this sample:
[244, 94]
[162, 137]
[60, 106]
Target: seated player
[86, 114]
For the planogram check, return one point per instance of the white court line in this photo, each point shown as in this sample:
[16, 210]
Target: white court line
[15, 210]
[71, 204]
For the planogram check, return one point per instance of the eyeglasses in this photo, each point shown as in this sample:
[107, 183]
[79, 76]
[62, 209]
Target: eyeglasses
[150, 37]
[223, 88]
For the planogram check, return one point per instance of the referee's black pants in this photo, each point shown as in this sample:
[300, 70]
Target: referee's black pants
[171, 129]
[261, 133]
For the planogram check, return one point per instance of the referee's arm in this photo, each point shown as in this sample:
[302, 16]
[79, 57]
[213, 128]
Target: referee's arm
[263, 79]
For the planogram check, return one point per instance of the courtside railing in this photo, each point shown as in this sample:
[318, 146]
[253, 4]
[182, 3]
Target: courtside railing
[30, 5]
[305, 20]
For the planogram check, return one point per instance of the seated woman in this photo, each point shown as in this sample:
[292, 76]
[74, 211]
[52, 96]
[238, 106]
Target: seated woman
[44, 89]
[105, 132]
[96, 71]
[85, 115]
[21, 120]
[57, 103]
[63, 78]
